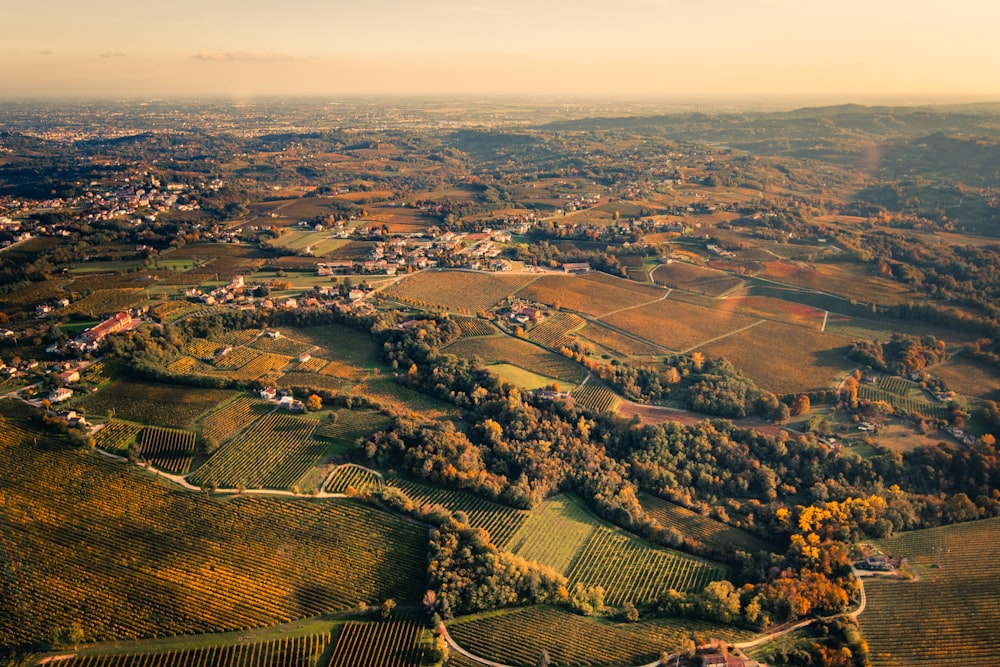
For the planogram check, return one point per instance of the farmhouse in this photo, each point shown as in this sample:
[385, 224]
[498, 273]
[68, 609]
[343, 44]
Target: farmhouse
[60, 394]
[114, 324]
[576, 267]
[70, 376]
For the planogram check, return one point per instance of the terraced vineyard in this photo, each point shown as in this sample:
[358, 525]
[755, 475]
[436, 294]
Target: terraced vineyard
[555, 533]
[473, 326]
[237, 358]
[116, 435]
[553, 332]
[706, 530]
[158, 561]
[289, 652]
[274, 453]
[394, 643]
[906, 404]
[260, 366]
[168, 449]
[353, 424]
[595, 396]
[500, 521]
[201, 348]
[951, 614]
[570, 639]
[153, 402]
[284, 346]
[630, 570]
[355, 477]
[311, 365]
[237, 337]
[233, 417]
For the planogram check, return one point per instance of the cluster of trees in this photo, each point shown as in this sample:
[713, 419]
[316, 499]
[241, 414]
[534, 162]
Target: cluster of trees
[900, 355]
[709, 386]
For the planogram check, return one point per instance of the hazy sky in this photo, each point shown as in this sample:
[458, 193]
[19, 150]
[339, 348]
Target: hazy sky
[851, 49]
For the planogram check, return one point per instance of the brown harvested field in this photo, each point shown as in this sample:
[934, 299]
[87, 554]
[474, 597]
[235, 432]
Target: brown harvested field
[784, 358]
[400, 220]
[354, 251]
[466, 291]
[850, 281]
[678, 325]
[589, 297]
[631, 285]
[695, 279]
[520, 353]
[779, 310]
[612, 340]
[965, 376]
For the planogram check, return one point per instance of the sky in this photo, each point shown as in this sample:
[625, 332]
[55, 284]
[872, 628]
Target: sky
[848, 50]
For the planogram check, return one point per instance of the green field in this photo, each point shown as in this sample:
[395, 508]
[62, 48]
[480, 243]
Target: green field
[949, 613]
[562, 534]
[520, 353]
[555, 533]
[522, 378]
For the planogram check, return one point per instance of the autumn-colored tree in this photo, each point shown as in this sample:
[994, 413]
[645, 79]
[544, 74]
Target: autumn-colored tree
[800, 405]
[314, 403]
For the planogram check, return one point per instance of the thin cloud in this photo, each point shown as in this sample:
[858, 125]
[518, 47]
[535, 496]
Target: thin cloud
[46, 52]
[240, 56]
[113, 54]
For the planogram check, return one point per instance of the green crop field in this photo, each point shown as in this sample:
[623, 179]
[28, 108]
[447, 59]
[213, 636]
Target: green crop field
[519, 377]
[339, 343]
[520, 353]
[301, 651]
[152, 402]
[275, 452]
[571, 639]
[903, 403]
[950, 614]
[157, 561]
[704, 529]
[392, 643]
[555, 533]
[631, 570]
[500, 521]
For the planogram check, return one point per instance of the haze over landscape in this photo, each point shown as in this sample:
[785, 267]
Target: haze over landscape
[551, 333]
[859, 51]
